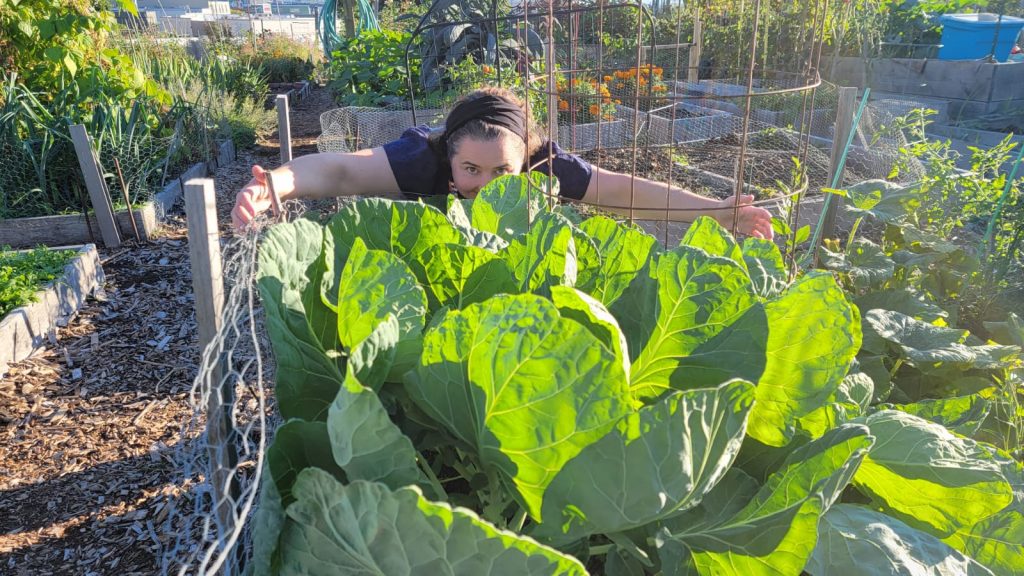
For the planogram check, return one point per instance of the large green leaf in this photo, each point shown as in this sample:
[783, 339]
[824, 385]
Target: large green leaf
[1009, 332]
[765, 266]
[507, 205]
[625, 252]
[299, 445]
[307, 379]
[526, 387]
[776, 531]
[886, 201]
[850, 400]
[814, 335]
[998, 540]
[374, 285]
[863, 261]
[664, 458]
[545, 256]
[365, 442]
[960, 414]
[588, 260]
[929, 347]
[461, 275]
[366, 529]
[857, 540]
[900, 300]
[579, 306]
[698, 297]
[372, 359]
[928, 477]
[267, 521]
[406, 229]
[708, 235]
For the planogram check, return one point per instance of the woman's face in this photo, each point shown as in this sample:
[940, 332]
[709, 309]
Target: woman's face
[477, 162]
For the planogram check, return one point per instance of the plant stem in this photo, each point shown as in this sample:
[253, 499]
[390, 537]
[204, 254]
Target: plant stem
[601, 550]
[519, 520]
[853, 233]
[429, 472]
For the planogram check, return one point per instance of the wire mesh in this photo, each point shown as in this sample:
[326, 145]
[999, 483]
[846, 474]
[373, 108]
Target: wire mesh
[204, 533]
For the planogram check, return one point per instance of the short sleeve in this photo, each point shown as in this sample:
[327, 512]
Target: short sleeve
[573, 172]
[413, 162]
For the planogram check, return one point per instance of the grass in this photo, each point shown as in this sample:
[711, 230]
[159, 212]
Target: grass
[24, 273]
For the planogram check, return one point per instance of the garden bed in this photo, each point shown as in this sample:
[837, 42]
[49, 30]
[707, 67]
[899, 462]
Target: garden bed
[579, 137]
[295, 91]
[26, 328]
[71, 229]
[688, 123]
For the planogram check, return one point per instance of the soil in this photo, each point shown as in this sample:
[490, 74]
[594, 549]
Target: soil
[91, 422]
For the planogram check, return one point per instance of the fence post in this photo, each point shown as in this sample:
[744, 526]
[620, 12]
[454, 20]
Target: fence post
[693, 74]
[208, 287]
[845, 110]
[101, 203]
[284, 128]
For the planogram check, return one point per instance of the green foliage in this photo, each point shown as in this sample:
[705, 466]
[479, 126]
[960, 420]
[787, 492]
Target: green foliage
[370, 69]
[577, 390]
[22, 274]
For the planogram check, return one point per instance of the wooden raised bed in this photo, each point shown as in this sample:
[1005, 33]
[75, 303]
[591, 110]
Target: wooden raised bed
[25, 329]
[75, 229]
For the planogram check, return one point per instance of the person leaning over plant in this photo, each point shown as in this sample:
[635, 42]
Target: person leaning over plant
[483, 138]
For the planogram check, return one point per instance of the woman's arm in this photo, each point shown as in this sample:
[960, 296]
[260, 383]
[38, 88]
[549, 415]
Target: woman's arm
[652, 200]
[322, 175]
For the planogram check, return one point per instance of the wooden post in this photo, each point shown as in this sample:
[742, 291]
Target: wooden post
[97, 190]
[284, 128]
[208, 287]
[693, 74]
[844, 124]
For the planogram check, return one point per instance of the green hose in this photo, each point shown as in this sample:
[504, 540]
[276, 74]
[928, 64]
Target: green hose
[329, 22]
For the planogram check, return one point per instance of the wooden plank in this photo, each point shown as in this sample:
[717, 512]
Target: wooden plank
[284, 128]
[844, 124]
[97, 190]
[208, 287]
[71, 229]
[168, 197]
[693, 74]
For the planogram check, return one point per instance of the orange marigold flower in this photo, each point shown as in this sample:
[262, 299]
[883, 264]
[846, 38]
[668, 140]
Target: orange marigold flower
[487, 69]
[607, 78]
[563, 105]
[620, 85]
[595, 109]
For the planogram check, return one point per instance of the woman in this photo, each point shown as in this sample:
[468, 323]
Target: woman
[483, 138]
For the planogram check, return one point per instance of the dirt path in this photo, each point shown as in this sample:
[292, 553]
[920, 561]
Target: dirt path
[89, 424]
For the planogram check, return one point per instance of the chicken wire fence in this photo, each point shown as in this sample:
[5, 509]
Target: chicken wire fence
[714, 131]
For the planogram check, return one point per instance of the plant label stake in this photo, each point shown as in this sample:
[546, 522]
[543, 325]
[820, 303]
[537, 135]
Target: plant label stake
[101, 205]
[284, 128]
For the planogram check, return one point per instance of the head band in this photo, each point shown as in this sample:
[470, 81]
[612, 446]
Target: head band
[489, 109]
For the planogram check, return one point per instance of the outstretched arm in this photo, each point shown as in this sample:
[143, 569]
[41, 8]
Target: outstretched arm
[322, 175]
[652, 200]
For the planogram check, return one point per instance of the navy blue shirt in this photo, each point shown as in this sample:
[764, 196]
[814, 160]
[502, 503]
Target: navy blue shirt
[420, 171]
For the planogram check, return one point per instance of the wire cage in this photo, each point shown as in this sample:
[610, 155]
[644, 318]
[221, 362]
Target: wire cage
[722, 103]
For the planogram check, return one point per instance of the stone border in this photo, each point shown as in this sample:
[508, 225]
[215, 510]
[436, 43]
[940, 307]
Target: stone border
[74, 229]
[27, 328]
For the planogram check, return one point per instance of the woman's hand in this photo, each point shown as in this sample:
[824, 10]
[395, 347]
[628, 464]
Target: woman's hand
[251, 200]
[751, 220]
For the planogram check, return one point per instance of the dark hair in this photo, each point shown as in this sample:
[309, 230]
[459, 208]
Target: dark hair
[446, 145]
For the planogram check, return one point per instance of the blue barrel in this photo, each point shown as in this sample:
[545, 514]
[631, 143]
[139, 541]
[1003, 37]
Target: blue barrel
[969, 36]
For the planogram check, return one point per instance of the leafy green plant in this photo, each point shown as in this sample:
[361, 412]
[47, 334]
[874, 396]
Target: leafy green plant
[495, 389]
[22, 274]
[370, 69]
